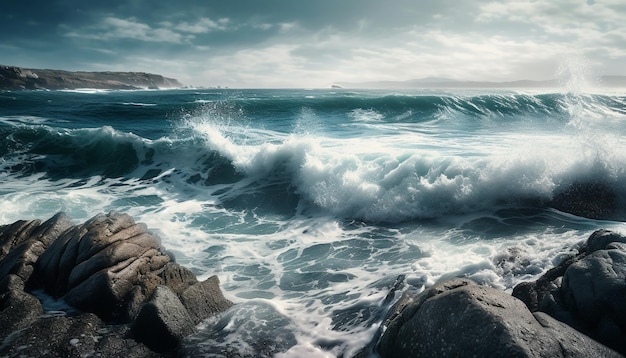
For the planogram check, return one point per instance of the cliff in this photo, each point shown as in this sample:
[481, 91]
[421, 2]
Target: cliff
[17, 78]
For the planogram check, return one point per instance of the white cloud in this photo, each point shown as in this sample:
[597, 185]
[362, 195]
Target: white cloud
[272, 66]
[203, 25]
[485, 40]
[130, 28]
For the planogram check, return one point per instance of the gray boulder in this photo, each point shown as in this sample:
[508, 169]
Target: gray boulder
[205, 299]
[460, 318]
[163, 321]
[22, 242]
[587, 291]
[572, 342]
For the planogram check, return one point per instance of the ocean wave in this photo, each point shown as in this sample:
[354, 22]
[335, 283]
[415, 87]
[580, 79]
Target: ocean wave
[384, 169]
[368, 179]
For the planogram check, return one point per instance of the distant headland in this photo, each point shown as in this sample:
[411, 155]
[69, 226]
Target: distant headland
[17, 78]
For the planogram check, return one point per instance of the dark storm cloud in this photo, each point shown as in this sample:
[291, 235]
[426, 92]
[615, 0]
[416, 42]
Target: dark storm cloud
[287, 42]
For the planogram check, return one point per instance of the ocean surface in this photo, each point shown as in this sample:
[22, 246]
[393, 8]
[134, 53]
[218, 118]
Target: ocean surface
[311, 204]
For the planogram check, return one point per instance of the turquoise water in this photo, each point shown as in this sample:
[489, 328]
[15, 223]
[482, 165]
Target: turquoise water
[309, 204]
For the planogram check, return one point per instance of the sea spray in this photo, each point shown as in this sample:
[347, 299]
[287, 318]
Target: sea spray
[309, 205]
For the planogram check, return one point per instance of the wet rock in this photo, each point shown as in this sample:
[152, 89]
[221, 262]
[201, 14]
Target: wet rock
[80, 336]
[600, 239]
[18, 309]
[22, 242]
[162, 322]
[460, 318]
[205, 299]
[177, 278]
[101, 265]
[586, 291]
[588, 199]
[118, 276]
[572, 342]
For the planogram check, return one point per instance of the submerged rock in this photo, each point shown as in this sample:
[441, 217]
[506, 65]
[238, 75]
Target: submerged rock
[110, 268]
[589, 199]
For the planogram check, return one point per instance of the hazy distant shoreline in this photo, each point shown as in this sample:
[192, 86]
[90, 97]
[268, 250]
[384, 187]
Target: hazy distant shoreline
[18, 78]
[432, 83]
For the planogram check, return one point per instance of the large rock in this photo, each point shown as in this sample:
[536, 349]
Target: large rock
[163, 321]
[594, 200]
[22, 242]
[18, 309]
[460, 318]
[109, 266]
[586, 291]
[204, 299]
[101, 265]
[572, 342]
[79, 336]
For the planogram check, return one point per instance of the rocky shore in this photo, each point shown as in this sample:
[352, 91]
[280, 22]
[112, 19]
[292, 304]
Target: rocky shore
[17, 78]
[122, 294]
[576, 309]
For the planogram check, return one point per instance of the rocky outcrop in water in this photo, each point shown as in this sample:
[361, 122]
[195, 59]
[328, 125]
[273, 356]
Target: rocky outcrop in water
[586, 291]
[124, 290]
[577, 309]
[17, 78]
[594, 200]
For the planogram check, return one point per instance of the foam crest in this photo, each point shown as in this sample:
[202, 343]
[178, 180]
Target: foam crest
[369, 178]
[366, 115]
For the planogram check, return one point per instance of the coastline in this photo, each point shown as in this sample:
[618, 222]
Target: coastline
[18, 78]
[144, 303]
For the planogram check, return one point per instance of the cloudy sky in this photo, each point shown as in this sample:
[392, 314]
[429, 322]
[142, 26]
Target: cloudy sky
[313, 43]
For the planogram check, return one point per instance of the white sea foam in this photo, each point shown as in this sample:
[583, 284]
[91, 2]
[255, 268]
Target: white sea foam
[366, 115]
[370, 178]
[137, 104]
[309, 222]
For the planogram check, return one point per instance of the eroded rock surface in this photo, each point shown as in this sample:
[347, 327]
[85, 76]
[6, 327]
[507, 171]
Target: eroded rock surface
[587, 291]
[594, 200]
[458, 318]
[114, 271]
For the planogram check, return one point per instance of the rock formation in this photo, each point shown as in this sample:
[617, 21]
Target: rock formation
[460, 318]
[577, 309]
[587, 291]
[16, 78]
[594, 200]
[125, 291]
